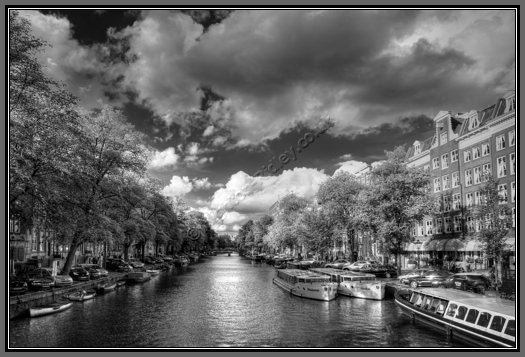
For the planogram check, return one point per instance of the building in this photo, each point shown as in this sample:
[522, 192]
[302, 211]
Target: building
[465, 148]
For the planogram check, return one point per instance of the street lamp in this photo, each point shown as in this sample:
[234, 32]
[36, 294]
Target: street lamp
[418, 244]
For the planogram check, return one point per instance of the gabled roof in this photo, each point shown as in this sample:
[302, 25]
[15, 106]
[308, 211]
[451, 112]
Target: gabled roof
[425, 145]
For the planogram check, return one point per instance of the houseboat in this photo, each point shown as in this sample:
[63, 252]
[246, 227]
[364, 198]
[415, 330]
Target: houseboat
[355, 284]
[307, 284]
[136, 277]
[473, 318]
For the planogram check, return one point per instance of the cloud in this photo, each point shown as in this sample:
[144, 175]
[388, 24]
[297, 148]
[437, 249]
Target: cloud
[363, 68]
[351, 167]
[255, 195]
[178, 186]
[80, 67]
[202, 184]
[164, 159]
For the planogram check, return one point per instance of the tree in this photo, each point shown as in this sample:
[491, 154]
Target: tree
[496, 221]
[260, 229]
[398, 199]
[338, 196]
[317, 231]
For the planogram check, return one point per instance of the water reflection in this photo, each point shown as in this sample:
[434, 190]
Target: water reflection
[222, 302]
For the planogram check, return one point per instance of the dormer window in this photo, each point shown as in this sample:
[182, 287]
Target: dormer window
[510, 105]
[443, 138]
[417, 148]
[473, 121]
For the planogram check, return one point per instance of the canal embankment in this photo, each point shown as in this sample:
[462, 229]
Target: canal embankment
[19, 305]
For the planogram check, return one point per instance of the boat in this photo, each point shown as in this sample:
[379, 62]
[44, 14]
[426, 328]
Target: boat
[137, 277]
[107, 287]
[121, 283]
[479, 320]
[355, 284]
[82, 295]
[307, 284]
[153, 272]
[51, 308]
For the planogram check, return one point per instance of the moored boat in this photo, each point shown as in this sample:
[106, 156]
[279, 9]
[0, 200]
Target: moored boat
[82, 295]
[476, 319]
[153, 272]
[135, 277]
[51, 308]
[307, 284]
[121, 283]
[355, 284]
[105, 288]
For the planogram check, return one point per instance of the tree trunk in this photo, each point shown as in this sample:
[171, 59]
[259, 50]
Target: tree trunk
[71, 254]
[126, 251]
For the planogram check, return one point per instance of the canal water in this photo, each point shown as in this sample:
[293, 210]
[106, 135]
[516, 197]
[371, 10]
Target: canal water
[223, 302]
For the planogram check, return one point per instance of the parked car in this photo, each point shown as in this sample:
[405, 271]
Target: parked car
[60, 279]
[431, 278]
[135, 263]
[337, 264]
[469, 281]
[166, 259]
[362, 264]
[380, 271]
[149, 260]
[79, 274]
[16, 286]
[38, 279]
[95, 271]
[403, 279]
[117, 264]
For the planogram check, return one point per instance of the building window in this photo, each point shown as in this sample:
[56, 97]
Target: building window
[456, 201]
[476, 153]
[513, 191]
[512, 159]
[439, 225]
[444, 161]
[502, 193]
[469, 199]
[513, 210]
[502, 167]
[487, 172]
[500, 142]
[435, 163]
[455, 179]
[512, 138]
[479, 225]
[447, 203]
[437, 184]
[443, 138]
[428, 227]
[446, 182]
[477, 198]
[448, 224]
[477, 175]
[510, 104]
[468, 178]
[485, 149]
[457, 224]
[470, 224]
[467, 155]
[454, 155]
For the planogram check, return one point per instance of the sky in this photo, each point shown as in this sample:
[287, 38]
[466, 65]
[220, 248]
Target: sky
[220, 94]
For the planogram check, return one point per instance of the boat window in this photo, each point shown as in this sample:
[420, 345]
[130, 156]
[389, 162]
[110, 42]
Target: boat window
[462, 311]
[414, 297]
[497, 323]
[434, 304]
[428, 299]
[419, 300]
[452, 310]
[511, 328]
[484, 319]
[472, 315]
[441, 307]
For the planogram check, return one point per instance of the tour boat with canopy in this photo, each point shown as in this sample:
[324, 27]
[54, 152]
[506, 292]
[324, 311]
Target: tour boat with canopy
[307, 284]
[355, 284]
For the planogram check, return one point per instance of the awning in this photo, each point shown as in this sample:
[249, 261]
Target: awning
[436, 245]
[454, 245]
[473, 246]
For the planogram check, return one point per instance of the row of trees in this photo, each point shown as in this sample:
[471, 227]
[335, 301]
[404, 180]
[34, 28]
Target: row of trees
[82, 174]
[398, 198]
